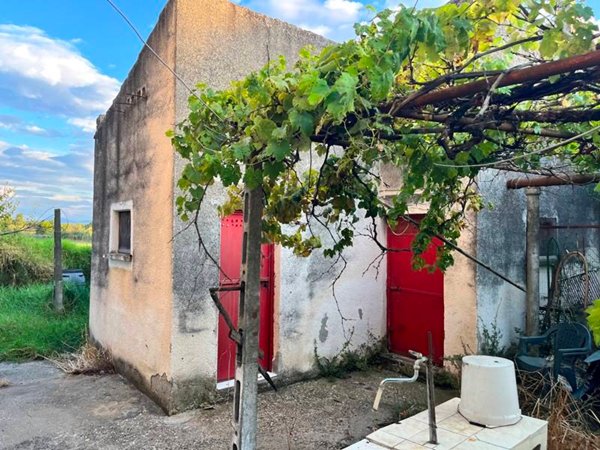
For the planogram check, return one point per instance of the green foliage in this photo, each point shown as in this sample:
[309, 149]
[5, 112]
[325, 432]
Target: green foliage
[18, 223]
[491, 338]
[491, 342]
[260, 129]
[593, 320]
[29, 327]
[7, 203]
[27, 260]
[346, 360]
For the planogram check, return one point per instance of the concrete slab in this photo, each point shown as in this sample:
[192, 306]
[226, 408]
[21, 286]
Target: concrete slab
[456, 433]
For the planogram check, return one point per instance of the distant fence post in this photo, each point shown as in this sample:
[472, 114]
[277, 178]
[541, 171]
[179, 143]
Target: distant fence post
[58, 279]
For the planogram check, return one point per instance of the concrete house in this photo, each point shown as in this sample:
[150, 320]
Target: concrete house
[150, 304]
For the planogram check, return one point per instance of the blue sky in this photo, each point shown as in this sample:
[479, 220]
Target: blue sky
[61, 63]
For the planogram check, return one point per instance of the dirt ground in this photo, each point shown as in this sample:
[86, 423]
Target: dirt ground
[44, 409]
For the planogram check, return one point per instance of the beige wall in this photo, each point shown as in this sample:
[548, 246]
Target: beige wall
[217, 42]
[131, 303]
[460, 296]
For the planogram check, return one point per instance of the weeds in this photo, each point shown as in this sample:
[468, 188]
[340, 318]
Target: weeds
[30, 328]
[572, 423]
[88, 360]
[409, 409]
[490, 340]
[347, 360]
[26, 260]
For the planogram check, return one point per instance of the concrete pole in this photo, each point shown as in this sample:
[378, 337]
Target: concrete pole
[246, 372]
[58, 280]
[533, 261]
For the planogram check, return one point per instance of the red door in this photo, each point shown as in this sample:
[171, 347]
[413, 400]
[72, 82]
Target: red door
[415, 299]
[231, 257]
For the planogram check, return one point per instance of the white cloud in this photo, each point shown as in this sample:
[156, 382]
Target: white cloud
[418, 3]
[39, 73]
[344, 10]
[331, 18]
[66, 198]
[87, 124]
[17, 125]
[322, 17]
[42, 179]
[323, 30]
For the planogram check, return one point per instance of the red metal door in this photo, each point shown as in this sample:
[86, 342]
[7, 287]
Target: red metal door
[232, 228]
[415, 299]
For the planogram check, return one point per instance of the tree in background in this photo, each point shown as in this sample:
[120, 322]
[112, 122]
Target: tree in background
[7, 205]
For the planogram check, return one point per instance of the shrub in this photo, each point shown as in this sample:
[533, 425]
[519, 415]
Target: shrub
[27, 260]
[593, 320]
[19, 266]
[346, 361]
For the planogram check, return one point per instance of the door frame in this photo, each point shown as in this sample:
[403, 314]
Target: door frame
[439, 352]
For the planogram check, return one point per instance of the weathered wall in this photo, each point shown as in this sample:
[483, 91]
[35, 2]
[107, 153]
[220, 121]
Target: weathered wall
[218, 42]
[131, 302]
[460, 296]
[310, 320]
[501, 244]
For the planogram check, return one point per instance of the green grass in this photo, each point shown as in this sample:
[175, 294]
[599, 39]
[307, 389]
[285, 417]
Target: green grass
[29, 328]
[25, 259]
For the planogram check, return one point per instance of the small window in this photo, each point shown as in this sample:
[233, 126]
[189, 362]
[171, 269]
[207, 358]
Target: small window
[120, 252]
[124, 232]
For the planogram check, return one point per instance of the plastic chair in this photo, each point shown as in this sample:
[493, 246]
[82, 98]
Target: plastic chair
[567, 343]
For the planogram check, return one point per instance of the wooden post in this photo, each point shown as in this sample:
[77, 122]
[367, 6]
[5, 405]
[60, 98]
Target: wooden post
[532, 256]
[58, 288]
[58, 280]
[246, 372]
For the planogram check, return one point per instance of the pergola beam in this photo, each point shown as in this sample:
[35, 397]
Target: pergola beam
[512, 77]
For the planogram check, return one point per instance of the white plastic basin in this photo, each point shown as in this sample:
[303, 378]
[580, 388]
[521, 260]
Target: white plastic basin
[488, 394]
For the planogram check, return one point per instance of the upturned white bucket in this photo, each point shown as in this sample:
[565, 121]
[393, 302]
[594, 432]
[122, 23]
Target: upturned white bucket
[488, 394]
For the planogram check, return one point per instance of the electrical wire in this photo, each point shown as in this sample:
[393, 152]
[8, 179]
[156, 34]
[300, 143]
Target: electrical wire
[175, 74]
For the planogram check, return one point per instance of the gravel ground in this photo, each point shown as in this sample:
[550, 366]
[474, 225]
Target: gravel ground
[45, 409]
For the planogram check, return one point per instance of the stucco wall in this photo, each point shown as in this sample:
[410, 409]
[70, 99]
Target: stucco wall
[310, 319]
[131, 302]
[218, 42]
[501, 243]
[460, 296]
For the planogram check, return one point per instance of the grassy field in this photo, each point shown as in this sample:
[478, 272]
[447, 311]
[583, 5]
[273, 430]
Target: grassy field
[25, 260]
[29, 328]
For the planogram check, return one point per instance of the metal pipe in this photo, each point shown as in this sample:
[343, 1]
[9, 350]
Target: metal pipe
[569, 227]
[417, 366]
[532, 256]
[518, 183]
[467, 255]
[431, 393]
[515, 76]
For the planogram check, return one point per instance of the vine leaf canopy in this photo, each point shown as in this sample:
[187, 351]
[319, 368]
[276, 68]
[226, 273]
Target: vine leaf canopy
[437, 95]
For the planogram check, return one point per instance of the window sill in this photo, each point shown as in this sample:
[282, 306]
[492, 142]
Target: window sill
[115, 256]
